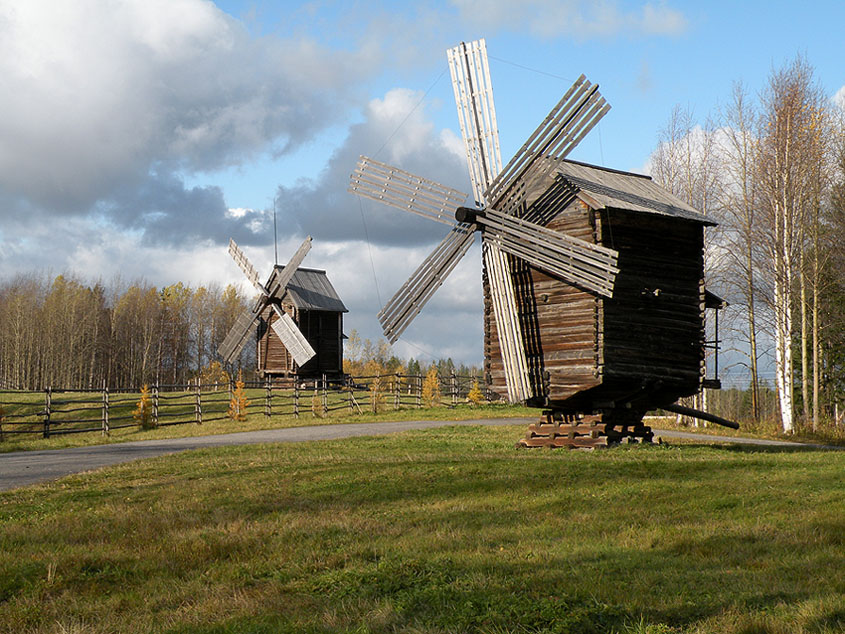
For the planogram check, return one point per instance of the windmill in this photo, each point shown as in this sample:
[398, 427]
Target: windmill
[271, 296]
[557, 239]
[498, 192]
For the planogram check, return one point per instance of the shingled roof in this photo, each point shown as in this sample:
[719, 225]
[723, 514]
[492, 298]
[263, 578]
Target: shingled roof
[310, 289]
[600, 187]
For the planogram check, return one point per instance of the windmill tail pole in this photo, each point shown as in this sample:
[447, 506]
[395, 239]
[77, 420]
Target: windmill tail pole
[695, 413]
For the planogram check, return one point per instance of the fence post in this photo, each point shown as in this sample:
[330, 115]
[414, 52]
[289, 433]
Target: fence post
[198, 405]
[325, 396]
[105, 409]
[454, 389]
[155, 403]
[268, 401]
[396, 387]
[296, 399]
[48, 401]
[418, 383]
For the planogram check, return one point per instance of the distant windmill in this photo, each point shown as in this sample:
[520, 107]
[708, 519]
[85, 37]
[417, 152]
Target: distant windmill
[560, 280]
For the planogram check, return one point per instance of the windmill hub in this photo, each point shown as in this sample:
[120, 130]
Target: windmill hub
[468, 215]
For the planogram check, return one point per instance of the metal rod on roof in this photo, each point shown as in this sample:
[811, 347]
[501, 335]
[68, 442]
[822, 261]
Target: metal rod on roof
[275, 236]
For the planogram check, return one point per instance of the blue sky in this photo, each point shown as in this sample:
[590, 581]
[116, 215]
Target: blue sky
[136, 138]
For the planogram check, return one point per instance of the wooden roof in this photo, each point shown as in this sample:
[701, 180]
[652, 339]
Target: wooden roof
[600, 187]
[310, 289]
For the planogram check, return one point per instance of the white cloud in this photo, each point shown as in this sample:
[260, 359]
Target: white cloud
[395, 130]
[573, 19]
[97, 95]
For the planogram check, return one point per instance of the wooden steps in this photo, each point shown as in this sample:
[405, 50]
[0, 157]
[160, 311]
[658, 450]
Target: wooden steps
[579, 431]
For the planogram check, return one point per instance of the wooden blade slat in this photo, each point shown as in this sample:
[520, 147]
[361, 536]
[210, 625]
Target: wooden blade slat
[476, 113]
[581, 107]
[246, 266]
[404, 190]
[511, 344]
[409, 300]
[280, 283]
[238, 335]
[589, 265]
[291, 337]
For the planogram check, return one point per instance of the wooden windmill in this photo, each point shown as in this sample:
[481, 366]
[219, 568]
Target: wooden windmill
[297, 322]
[581, 317]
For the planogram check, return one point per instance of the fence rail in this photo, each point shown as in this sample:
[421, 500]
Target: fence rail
[56, 411]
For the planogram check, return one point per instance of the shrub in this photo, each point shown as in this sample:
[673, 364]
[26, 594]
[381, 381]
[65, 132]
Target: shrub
[431, 388]
[377, 400]
[475, 396]
[239, 402]
[143, 413]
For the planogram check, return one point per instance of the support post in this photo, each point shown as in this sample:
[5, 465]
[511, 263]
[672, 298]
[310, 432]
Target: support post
[268, 400]
[48, 403]
[325, 397]
[296, 399]
[198, 401]
[105, 409]
[397, 382]
[418, 384]
[454, 389]
[155, 403]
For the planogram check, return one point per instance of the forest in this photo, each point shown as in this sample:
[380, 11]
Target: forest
[64, 333]
[769, 168]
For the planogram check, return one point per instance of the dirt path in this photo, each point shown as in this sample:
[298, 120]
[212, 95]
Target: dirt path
[22, 468]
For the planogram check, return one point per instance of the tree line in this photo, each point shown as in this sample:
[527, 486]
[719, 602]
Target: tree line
[770, 168]
[64, 333]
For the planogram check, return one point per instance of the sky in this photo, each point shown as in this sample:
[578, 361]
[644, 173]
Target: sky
[137, 137]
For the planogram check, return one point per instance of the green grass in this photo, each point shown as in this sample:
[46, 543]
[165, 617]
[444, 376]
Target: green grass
[448, 530]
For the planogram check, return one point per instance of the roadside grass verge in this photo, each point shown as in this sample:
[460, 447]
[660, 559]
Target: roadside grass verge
[447, 530]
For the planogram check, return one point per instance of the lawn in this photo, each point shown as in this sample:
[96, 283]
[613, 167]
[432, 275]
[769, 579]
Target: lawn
[448, 530]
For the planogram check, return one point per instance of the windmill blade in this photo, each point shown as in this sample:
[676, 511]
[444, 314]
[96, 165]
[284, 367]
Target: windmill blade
[284, 277]
[588, 265]
[408, 301]
[476, 113]
[404, 190]
[246, 266]
[292, 337]
[570, 120]
[237, 337]
[507, 323]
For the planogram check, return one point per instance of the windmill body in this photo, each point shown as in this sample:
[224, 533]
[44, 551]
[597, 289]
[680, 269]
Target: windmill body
[315, 307]
[296, 323]
[593, 278]
[644, 346]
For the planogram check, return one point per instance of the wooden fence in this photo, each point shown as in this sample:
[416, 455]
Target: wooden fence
[56, 411]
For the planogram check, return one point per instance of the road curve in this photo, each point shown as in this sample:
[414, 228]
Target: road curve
[21, 468]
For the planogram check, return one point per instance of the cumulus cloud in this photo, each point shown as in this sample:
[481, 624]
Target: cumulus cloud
[323, 206]
[104, 103]
[574, 19]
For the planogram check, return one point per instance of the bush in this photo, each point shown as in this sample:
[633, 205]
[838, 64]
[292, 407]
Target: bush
[475, 396]
[431, 388]
[143, 413]
[238, 403]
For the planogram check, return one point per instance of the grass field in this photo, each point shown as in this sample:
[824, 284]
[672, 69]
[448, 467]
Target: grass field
[448, 530]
